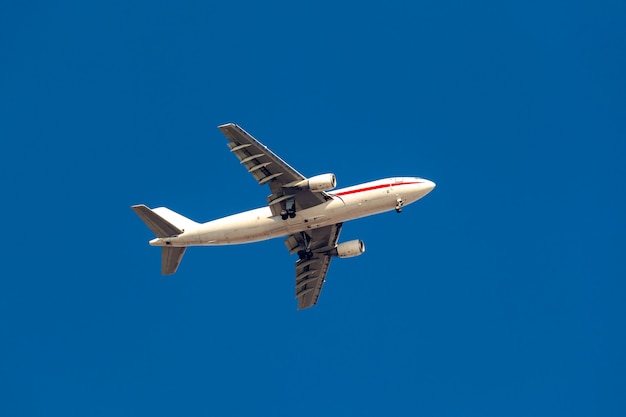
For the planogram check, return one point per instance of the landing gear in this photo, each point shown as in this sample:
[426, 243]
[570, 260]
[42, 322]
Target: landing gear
[399, 204]
[290, 209]
[306, 253]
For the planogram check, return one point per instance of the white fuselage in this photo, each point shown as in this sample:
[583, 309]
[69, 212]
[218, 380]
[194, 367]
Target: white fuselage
[346, 204]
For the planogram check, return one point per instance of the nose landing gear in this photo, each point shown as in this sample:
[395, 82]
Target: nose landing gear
[399, 204]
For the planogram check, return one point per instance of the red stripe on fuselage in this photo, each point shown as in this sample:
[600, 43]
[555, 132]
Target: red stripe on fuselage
[375, 187]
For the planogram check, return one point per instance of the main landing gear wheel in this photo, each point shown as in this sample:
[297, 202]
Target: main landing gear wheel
[305, 254]
[290, 209]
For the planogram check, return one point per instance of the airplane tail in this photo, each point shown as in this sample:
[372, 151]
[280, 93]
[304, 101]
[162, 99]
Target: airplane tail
[165, 223]
[170, 259]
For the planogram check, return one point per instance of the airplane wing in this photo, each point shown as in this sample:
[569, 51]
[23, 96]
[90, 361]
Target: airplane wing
[267, 168]
[311, 273]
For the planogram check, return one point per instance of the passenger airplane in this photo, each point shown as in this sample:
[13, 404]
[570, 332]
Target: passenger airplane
[303, 209]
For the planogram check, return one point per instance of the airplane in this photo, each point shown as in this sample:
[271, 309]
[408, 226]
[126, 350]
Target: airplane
[304, 210]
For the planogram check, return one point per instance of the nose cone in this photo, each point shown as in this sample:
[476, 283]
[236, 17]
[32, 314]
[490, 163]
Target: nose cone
[428, 186]
[417, 189]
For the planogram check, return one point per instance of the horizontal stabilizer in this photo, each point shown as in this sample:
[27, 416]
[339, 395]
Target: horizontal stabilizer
[170, 259]
[161, 227]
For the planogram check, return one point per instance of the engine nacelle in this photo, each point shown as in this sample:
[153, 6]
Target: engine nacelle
[349, 249]
[319, 183]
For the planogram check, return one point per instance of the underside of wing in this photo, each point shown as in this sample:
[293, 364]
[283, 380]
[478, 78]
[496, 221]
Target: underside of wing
[267, 168]
[310, 277]
[313, 248]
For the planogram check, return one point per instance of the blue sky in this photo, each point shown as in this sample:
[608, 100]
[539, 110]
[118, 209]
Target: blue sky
[500, 293]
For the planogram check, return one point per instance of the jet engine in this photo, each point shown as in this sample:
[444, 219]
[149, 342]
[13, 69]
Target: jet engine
[318, 183]
[349, 249]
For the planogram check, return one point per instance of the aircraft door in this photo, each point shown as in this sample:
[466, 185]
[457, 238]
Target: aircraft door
[395, 181]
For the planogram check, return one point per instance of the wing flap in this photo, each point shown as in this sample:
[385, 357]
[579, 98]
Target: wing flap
[268, 168]
[311, 273]
[252, 153]
[309, 287]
